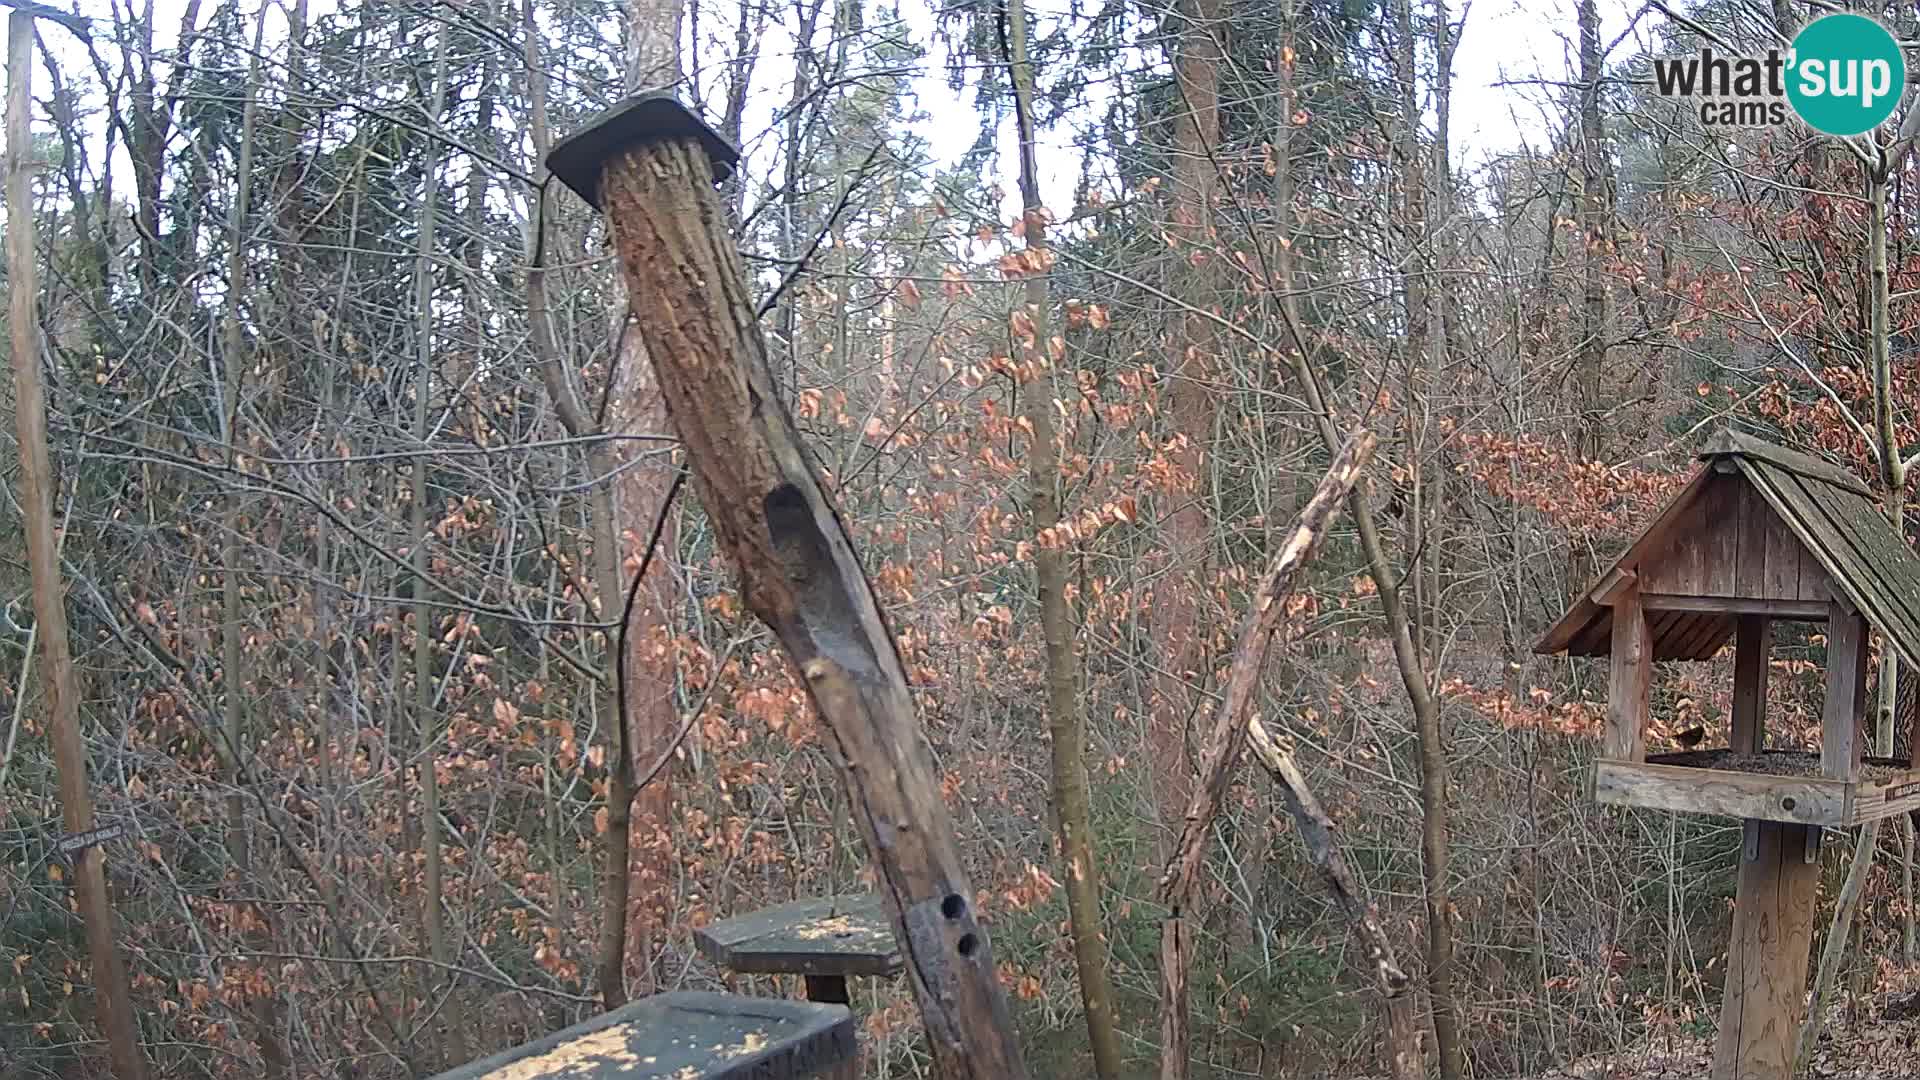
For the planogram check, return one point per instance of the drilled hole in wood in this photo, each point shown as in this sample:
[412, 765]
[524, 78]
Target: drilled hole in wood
[968, 943]
[953, 906]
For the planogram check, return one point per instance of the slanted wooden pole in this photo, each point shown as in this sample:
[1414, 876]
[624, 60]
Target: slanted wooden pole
[1752, 637]
[650, 165]
[1320, 835]
[110, 994]
[1630, 679]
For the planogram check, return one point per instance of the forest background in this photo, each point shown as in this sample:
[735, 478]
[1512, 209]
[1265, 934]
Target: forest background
[357, 461]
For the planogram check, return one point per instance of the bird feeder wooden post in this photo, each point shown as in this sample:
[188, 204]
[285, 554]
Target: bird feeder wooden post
[1760, 535]
[650, 166]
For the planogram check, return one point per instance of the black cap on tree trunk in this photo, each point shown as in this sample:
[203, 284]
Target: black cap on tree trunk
[643, 118]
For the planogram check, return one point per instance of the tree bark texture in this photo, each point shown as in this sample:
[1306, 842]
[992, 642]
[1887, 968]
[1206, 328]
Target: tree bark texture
[1323, 849]
[643, 475]
[649, 672]
[1190, 363]
[799, 574]
[1228, 738]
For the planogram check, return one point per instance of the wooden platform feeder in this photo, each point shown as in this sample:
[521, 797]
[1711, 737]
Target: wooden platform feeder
[826, 940]
[1759, 534]
[687, 1036]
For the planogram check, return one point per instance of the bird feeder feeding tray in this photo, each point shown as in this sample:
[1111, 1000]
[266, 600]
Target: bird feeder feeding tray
[825, 939]
[687, 1035]
[1777, 785]
[1795, 763]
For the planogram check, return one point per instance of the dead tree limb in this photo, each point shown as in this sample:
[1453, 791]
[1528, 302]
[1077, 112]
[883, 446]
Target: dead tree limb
[1228, 738]
[1402, 1043]
[650, 165]
[1316, 831]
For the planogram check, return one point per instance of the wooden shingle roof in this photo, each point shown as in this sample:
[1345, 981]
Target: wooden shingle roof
[1726, 527]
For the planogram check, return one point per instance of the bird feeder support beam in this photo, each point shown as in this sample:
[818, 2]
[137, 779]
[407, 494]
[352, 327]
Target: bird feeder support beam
[1752, 636]
[1630, 679]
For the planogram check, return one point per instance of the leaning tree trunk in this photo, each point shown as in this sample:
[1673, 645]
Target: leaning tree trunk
[1414, 679]
[1317, 832]
[1403, 1025]
[795, 560]
[1228, 738]
[1066, 720]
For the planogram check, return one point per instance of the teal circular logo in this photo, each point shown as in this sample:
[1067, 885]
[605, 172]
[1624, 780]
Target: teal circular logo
[1847, 74]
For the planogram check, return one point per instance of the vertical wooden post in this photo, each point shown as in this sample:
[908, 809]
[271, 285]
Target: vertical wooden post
[828, 989]
[1840, 736]
[1753, 635]
[832, 990]
[1767, 956]
[1908, 673]
[1630, 681]
[110, 993]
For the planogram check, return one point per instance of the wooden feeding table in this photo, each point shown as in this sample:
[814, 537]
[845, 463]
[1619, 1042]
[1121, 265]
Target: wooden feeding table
[687, 1035]
[1773, 785]
[826, 940]
[1759, 534]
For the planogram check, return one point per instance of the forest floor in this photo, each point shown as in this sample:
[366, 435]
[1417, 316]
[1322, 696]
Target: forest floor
[1880, 1040]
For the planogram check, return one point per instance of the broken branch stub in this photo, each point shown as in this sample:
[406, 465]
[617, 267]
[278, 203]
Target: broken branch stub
[654, 180]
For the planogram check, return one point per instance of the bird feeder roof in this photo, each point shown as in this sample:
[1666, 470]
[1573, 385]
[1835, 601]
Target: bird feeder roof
[1759, 529]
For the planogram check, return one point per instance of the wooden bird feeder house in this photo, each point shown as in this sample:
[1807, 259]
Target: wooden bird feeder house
[1759, 534]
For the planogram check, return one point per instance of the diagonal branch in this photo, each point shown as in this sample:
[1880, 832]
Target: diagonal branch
[1228, 736]
[1317, 831]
